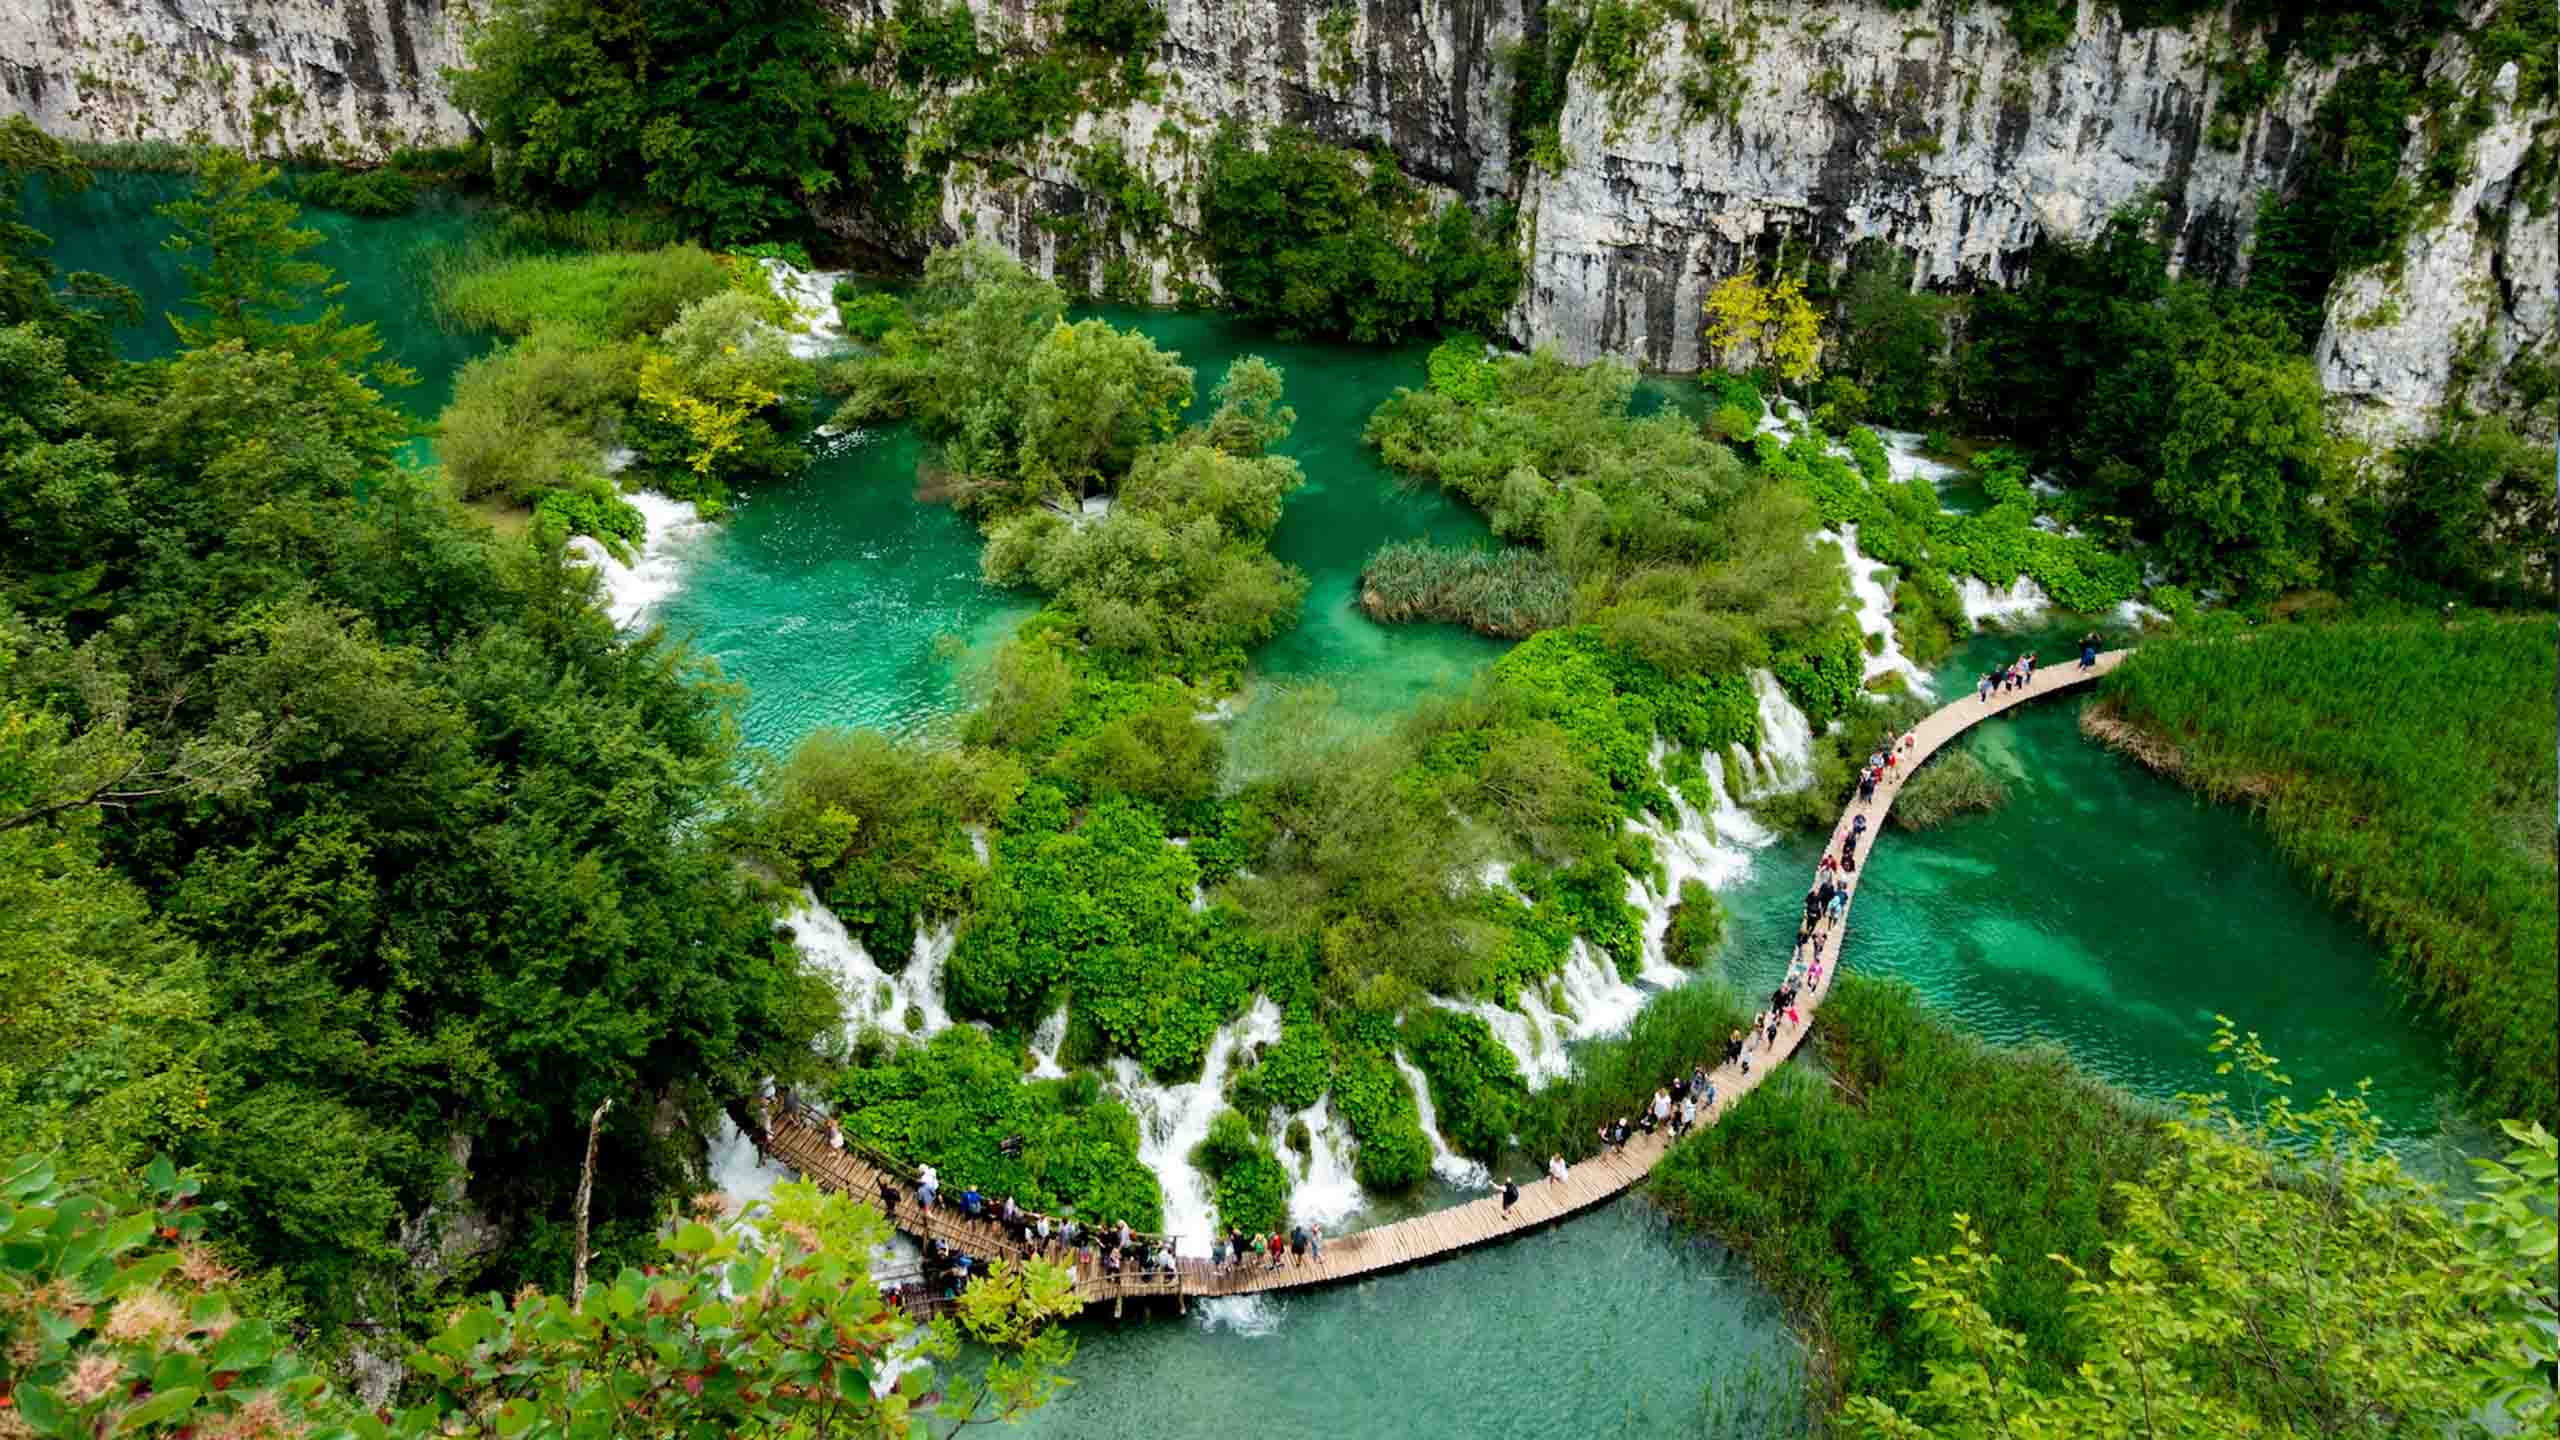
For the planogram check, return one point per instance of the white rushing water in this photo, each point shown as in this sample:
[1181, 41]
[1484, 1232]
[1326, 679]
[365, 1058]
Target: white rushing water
[1446, 1163]
[816, 328]
[657, 562]
[1174, 1118]
[1904, 461]
[872, 996]
[1044, 1046]
[1538, 1048]
[1323, 1190]
[2023, 600]
[1785, 759]
[1875, 611]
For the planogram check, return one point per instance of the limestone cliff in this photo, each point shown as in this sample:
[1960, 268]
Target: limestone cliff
[349, 79]
[1740, 128]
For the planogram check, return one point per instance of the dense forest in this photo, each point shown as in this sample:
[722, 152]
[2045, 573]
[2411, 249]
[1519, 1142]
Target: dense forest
[352, 859]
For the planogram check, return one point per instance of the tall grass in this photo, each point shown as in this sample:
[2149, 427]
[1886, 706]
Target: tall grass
[601, 297]
[1512, 593]
[1948, 786]
[2407, 768]
[1833, 1176]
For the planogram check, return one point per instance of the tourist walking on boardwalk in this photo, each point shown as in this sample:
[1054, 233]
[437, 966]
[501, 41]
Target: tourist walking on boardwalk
[1662, 1107]
[1866, 787]
[1510, 1195]
[1235, 1244]
[1688, 1114]
[1315, 1241]
[1733, 1047]
[1982, 688]
[928, 1186]
[1279, 1247]
[1556, 1170]
[1839, 906]
[1297, 1244]
[2089, 651]
[889, 1197]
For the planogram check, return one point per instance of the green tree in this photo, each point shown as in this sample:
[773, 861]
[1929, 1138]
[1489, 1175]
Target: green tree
[1096, 394]
[2242, 462]
[1892, 339]
[2278, 1273]
[250, 282]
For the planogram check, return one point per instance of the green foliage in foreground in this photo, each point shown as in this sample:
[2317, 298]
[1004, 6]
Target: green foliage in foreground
[952, 1101]
[2408, 765]
[1251, 1185]
[1831, 1181]
[125, 1322]
[385, 823]
[2276, 1272]
[1476, 1089]
[1953, 782]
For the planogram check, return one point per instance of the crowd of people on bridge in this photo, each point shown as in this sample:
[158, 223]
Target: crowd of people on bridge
[1676, 1107]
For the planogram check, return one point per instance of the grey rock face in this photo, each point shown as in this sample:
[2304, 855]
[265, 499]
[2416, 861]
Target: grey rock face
[352, 78]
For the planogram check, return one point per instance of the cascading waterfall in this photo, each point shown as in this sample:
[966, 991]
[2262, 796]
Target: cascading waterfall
[1715, 851]
[872, 996]
[657, 564]
[2023, 600]
[1903, 459]
[1785, 759]
[1326, 1193]
[818, 329]
[1044, 1046]
[1446, 1163]
[739, 1171]
[1875, 612]
[1537, 1047]
[1174, 1118]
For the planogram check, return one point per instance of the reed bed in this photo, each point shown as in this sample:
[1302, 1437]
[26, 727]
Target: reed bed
[1950, 785]
[1832, 1176]
[2406, 766]
[1511, 593]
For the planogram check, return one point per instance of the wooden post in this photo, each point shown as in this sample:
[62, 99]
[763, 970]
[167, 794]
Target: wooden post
[586, 1192]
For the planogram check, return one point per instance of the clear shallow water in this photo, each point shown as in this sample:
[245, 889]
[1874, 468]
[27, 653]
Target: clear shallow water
[1611, 1323]
[2114, 913]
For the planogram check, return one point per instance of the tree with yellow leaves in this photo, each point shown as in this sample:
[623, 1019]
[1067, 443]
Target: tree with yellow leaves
[1773, 324]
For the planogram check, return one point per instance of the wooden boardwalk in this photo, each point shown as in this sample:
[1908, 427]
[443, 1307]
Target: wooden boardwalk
[1459, 1227]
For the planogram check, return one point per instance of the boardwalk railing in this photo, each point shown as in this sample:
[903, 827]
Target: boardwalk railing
[799, 1142]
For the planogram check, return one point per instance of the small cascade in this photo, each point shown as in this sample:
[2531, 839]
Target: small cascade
[1735, 824]
[872, 996]
[1174, 1118]
[1875, 612]
[1246, 1315]
[1903, 459]
[2023, 600]
[817, 329]
[1531, 1043]
[1446, 1163]
[657, 565]
[1713, 850]
[740, 1171]
[1600, 1003]
[1785, 761]
[1045, 1043]
[1326, 1192]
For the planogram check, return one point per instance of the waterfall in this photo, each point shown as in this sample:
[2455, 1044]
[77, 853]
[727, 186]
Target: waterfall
[1174, 1118]
[1875, 611]
[1786, 741]
[1902, 457]
[657, 565]
[1600, 1003]
[1044, 1046]
[1446, 1163]
[1326, 1193]
[739, 1171]
[2023, 600]
[1540, 1057]
[817, 329]
[871, 995]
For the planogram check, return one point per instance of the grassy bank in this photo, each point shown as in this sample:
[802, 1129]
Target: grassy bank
[2406, 766]
[1510, 593]
[1832, 1178]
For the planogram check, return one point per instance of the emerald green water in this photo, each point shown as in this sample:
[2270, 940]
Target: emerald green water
[2103, 909]
[110, 228]
[2113, 913]
[1610, 1324]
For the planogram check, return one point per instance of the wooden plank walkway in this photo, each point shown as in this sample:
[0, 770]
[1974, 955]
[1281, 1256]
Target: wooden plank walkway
[1543, 1200]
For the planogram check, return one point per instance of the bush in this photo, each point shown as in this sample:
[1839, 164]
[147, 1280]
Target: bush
[535, 416]
[867, 314]
[952, 1103]
[1476, 1089]
[358, 192]
[1250, 1184]
[598, 297]
[1697, 926]
[594, 511]
[1953, 782]
[1376, 1102]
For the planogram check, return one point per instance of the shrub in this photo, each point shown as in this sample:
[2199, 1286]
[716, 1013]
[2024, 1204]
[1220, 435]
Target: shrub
[594, 511]
[867, 314]
[358, 192]
[534, 416]
[1250, 1185]
[1375, 1101]
[600, 297]
[1476, 1089]
[1697, 926]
